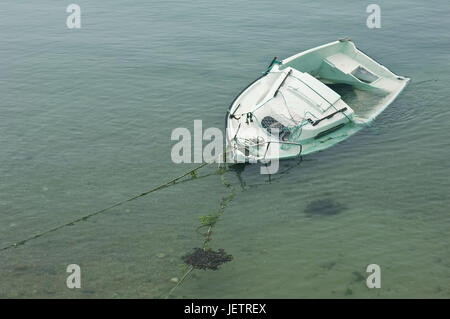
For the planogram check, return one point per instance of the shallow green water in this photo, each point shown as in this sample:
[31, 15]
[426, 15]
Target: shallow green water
[85, 121]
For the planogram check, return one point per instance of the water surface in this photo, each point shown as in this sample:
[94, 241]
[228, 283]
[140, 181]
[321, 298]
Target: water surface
[86, 118]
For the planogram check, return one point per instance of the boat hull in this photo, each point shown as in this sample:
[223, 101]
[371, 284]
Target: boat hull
[319, 97]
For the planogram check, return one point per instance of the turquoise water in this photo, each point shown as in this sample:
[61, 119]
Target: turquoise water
[86, 118]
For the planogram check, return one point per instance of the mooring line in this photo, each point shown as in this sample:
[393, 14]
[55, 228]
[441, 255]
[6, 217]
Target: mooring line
[223, 205]
[191, 268]
[173, 181]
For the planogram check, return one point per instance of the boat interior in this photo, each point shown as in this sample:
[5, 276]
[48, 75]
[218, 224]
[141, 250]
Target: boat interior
[307, 97]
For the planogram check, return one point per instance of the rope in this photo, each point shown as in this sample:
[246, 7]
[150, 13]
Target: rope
[223, 205]
[287, 108]
[271, 65]
[298, 129]
[191, 268]
[171, 182]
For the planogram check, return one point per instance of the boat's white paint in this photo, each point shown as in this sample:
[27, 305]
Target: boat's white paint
[303, 96]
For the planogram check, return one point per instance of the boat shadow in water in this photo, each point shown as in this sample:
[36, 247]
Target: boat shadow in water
[324, 207]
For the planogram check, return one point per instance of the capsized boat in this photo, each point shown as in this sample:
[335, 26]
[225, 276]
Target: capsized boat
[308, 102]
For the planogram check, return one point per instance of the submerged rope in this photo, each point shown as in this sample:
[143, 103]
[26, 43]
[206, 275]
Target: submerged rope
[223, 205]
[169, 183]
[190, 269]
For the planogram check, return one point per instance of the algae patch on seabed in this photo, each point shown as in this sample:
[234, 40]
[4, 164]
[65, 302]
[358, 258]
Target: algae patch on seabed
[207, 259]
[324, 207]
[357, 276]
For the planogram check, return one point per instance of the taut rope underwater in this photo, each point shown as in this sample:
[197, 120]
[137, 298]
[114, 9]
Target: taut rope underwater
[169, 183]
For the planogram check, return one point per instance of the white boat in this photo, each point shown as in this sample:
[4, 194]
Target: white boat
[308, 102]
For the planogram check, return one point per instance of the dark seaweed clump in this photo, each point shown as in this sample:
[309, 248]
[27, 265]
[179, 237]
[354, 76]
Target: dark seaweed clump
[324, 207]
[207, 259]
